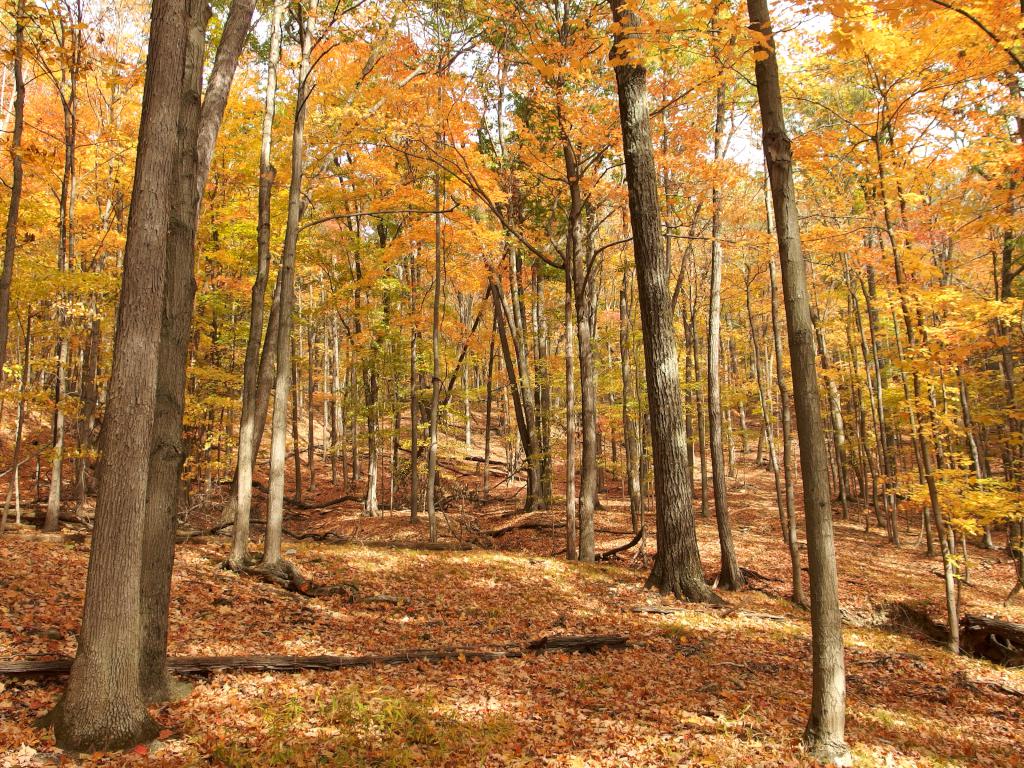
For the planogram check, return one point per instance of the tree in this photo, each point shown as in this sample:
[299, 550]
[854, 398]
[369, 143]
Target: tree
[102, 706]
[677, 567]
[17, 181]
[824, 736]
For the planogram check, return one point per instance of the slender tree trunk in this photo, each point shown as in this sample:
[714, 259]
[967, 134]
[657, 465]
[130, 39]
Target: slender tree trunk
[310, 410]
[783, 488]
[90, 400]
[789, 532]
[824, 736]
[13, 487]
[698, 402]
[296, 447]
[248, 437]
[370, 505]
[677, 567]
[730, 576]
[435, 380]
[571, 515]
[17, 180]
[414, 433]
[517, 375]
[52, 522]
[275, 503]
[836, 414]
[629, 431]
[102, 707]
[488, 414]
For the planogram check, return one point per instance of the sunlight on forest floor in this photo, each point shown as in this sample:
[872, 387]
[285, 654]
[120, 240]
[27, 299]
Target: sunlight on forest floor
[697, 685]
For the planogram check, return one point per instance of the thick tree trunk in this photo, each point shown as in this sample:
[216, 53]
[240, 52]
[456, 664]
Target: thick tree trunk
[167, 450]
[677, 567]
[102, 707]
[824, 736]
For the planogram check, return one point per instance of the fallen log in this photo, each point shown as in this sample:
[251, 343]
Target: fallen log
[192, 665]
[299, 504]
[998, 641]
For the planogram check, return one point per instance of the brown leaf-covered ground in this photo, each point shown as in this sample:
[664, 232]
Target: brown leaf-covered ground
[697, 686]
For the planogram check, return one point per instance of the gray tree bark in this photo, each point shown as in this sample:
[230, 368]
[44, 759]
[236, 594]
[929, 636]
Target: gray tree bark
[824, 735]
[677, 567]
[102, 707]
[282, 382]
[17, 181]
[167, 450]
[248, 438]
[730, 576]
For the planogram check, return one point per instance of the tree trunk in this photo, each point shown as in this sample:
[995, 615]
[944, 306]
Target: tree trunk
[730, 576]
[102, 707]
[677, 567]
[248, 437]
[488, 407]
[571, 515]
[167, 450]
[13, 486]
[629, 427]
[824, 736]
[435, 379]
[414, 433]
[370, 505]
[17, 179]
[783, 486]
[282, 384]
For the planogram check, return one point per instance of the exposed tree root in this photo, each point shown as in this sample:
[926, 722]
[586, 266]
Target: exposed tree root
[632, 543]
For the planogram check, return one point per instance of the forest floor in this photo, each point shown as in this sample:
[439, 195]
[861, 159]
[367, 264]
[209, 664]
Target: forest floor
[696, 685]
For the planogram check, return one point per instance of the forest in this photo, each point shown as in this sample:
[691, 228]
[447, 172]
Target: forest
[555, 383]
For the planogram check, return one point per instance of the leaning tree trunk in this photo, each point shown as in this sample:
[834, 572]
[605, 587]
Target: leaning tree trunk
[824, 736]
[279, 424]
[102, 707]
[677, 567]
